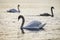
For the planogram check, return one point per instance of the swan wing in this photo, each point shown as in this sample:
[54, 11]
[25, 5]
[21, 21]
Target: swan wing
[33, 24]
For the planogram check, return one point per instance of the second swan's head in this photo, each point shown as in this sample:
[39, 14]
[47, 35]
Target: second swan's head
[52, 7]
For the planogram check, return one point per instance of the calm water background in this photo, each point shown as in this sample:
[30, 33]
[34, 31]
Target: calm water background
[9, 24]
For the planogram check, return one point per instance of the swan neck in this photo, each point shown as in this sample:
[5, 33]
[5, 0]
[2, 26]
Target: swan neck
[52, 12]
[18, 9]
[22, 23]
[23, 20]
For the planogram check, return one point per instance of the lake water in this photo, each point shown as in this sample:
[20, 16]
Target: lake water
[10, 26]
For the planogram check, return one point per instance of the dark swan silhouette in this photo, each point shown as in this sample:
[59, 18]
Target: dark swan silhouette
[14, 10]
[32, 26]
[46, 14]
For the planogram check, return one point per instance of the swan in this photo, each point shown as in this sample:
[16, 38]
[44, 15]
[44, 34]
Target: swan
[46, 14]
[14, 10]
[32, 26]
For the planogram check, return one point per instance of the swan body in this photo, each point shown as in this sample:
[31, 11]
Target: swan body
[14, 10]
[32, 26]
[46, 14]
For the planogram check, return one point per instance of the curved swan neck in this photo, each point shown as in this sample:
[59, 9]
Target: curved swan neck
[52, 11]
[23, 20]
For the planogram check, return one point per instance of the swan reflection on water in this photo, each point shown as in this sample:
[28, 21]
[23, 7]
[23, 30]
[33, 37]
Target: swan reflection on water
[14, 10]
[32, 26]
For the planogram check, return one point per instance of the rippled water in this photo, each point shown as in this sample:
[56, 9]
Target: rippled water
[10, 26]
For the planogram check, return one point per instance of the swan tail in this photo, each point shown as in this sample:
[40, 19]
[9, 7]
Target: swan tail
[42, 26]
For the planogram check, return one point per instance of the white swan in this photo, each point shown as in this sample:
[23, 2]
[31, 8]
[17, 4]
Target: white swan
[32, 26]
[14, 10]
[46, 14]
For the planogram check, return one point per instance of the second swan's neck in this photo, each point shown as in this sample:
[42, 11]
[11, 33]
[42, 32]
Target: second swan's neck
[52, 12]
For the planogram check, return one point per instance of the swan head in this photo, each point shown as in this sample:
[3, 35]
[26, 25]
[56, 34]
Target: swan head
[52, 7]
[18, 5]
[20, 16]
